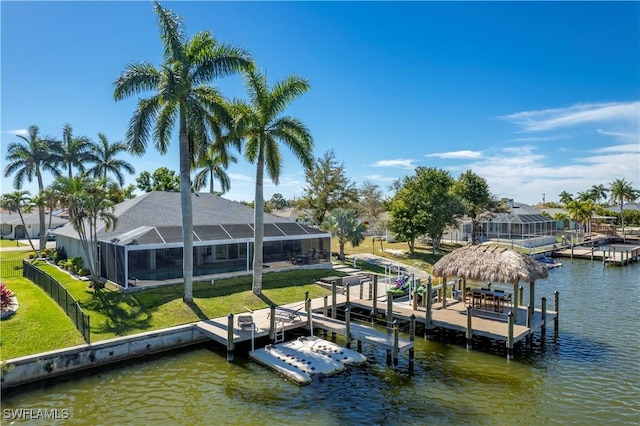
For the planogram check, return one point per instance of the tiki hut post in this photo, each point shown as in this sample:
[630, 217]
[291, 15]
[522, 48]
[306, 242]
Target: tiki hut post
[532, 299]
[516, 297]
[464, 289]
[444, 293]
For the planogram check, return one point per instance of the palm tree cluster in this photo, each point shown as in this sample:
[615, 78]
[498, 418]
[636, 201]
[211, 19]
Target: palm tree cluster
[582, 208]
[35, 154]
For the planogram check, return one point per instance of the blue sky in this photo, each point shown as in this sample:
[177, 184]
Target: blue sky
[536, 98]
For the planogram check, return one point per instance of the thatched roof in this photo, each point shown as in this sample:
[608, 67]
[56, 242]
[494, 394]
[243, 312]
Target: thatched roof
[490, 264]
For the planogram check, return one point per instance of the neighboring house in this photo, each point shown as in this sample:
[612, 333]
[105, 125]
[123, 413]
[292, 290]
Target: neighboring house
[523, 223]
[11, 226]
[147, 241]
[295, 214]
[627, 206]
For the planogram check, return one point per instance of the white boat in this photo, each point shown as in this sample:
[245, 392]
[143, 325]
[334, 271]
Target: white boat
[331, 350]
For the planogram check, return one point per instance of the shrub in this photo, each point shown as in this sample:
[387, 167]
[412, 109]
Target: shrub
[5, 294]
[59, 255]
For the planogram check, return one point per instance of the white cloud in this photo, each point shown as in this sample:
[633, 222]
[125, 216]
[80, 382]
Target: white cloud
[400, 163]
[380, 178]
[629, 148]
[20, 132]
[549, 119]
[540, 138]
[465, 154]
[240, 177]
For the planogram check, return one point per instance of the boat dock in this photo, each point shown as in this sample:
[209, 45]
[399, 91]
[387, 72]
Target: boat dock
[616, 254]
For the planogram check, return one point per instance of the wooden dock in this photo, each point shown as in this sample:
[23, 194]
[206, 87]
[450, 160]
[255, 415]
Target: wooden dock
[617, 255]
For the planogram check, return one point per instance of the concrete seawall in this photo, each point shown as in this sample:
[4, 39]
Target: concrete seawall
[46, 365]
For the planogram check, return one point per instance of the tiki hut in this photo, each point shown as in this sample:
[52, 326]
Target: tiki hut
[490, 263]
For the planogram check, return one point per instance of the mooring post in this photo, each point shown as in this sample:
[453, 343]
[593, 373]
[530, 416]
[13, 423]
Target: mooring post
[389, 311]
[371, 278]
[556, 306]
[412, 339]
[415, 300]
[361, 290]
[592, 249]
[428, 326]
[510, 336]
[603, 256]
[333, 299]
[532, 299]
[374, 312]
[347, 321]
[469, 327]
[325, 311]
[396, 333]
[272, 324]
[230, 344]
[543, 325]
[530, 325]
[346, 289]
[307, 303]
[520, 296]
[444, 293]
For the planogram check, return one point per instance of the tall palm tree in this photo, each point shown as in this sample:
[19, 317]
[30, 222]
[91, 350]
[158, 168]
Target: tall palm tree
[263, 126]
[599, 192]
[29, 158]
[104, 155]
[73, 151]
[20, 202]
[565, 197]
[179, 94]
[622, 191]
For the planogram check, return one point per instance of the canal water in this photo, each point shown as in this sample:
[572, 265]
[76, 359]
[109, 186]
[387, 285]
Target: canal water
[589, 375]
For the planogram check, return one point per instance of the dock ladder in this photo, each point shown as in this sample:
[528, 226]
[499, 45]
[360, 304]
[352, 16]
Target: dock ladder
[280, 331]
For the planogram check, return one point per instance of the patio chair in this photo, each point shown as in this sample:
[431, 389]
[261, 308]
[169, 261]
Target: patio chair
[245, 322]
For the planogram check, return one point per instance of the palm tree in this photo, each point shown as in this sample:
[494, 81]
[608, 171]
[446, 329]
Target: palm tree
[18, 201]
[87, 203]
[29, 158]
[180, 94]
[104, 155]
[622, 191]
[263, 127]
[599, 192]
[213, 166]
[73, 151]
[343, 224]
[565, 197]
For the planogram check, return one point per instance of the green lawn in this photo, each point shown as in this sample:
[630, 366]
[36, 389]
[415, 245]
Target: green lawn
[115, 314]
[39, 325]
[11, 243]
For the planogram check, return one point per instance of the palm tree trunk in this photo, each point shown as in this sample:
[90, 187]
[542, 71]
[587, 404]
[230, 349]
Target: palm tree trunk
[258, 232]
[624, 239]
[41, 215]
[211, 181]
[187, 211]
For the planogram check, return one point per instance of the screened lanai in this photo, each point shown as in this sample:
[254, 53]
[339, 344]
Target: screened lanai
[153, 253]
[518, 227]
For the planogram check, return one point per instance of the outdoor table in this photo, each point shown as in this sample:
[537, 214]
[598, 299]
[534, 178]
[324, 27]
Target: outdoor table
[489, 299]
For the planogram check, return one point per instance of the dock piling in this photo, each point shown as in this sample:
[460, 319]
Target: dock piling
[374, 311]
[428, 324]
[510, 336]
[347, 292]
[469, 329]
[347, 322]
[412, 338]
[396, 350]
[556, 306]
[272, 324]
[543, 324]
[230, 344]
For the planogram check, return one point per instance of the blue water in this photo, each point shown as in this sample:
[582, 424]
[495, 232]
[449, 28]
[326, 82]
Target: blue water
[589, 375]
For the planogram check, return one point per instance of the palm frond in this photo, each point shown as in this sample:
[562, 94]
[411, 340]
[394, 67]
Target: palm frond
[136, 78]
[273, 159]
[172, 33]
[140, 125]
[286, 91]
[164, 125]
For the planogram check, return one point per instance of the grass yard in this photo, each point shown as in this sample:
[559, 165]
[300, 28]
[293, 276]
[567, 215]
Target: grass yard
[11, 243]
[39, 325]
